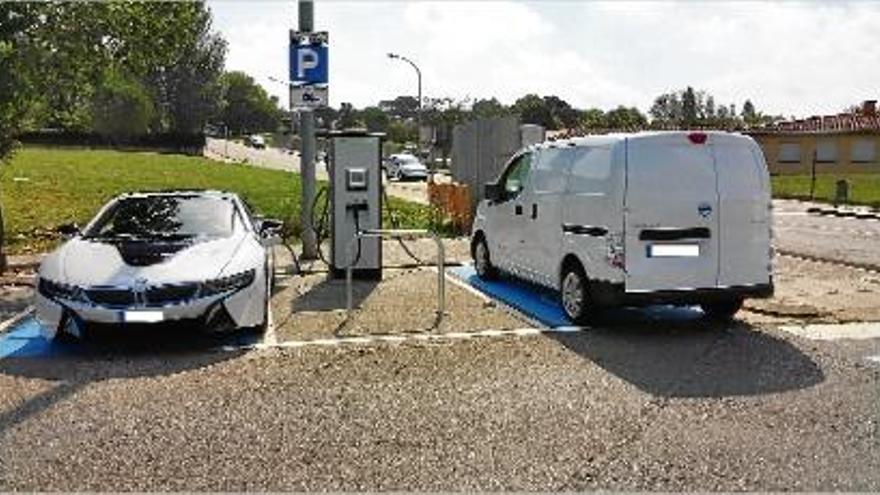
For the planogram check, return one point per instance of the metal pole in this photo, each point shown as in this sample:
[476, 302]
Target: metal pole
[307, 150]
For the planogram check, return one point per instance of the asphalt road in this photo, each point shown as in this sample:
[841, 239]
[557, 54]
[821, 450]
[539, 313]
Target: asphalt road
[842, 239]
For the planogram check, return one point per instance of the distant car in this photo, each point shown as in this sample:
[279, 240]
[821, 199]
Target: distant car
[148, 258]
[256, 141]
[405, 166]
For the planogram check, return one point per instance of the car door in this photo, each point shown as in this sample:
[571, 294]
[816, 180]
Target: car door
[541, 234]
[506, 216]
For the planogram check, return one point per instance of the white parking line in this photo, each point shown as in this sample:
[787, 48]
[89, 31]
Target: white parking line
[841, 331]
[401, 338]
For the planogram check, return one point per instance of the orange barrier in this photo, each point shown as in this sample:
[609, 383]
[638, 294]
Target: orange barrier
[454, 201]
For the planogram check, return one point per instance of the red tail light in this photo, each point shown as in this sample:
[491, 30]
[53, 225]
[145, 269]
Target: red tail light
[698, 137]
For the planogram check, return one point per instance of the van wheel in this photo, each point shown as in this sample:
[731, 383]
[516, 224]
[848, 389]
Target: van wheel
[482, 260]
[575, 297]
[722, 310]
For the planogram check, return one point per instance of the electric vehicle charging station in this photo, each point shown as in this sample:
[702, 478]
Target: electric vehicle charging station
[355, 167]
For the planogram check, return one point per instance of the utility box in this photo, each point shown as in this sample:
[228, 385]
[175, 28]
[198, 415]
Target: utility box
[355, 166]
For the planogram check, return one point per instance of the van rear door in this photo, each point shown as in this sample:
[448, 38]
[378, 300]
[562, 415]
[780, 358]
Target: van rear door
[671, 213]
[744, 191]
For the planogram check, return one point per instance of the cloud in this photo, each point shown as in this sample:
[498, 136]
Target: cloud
[789, 58]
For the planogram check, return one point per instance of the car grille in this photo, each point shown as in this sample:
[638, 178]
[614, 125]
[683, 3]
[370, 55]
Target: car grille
[171, 294]
[153, 296]
[111, 297]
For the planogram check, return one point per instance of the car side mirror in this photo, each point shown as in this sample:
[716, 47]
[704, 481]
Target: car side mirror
[270, 226]
[493, 192]
[68, 230]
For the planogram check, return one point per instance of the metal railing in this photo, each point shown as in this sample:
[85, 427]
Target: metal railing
[397, 234]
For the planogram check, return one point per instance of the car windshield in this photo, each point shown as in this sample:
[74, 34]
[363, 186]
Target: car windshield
[165, 217]
[409, 160]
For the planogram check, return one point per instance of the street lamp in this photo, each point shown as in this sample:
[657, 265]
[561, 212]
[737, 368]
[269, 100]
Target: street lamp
[418, 73]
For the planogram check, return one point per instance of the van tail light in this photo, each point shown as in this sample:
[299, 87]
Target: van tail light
[698, 137]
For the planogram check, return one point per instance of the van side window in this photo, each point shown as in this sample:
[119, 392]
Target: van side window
[516, 175]
[590, 169]
[551, 170]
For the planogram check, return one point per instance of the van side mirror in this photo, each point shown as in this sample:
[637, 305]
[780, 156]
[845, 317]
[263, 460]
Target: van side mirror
[493, 192]
[68, 230]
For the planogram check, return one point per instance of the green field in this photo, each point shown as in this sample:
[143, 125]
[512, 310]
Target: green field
[42, 188]
[864, 188]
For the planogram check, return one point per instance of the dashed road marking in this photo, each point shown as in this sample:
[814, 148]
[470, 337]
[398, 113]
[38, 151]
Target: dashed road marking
[838, 331]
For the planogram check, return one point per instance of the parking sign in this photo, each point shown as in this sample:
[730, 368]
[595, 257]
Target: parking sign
[308, 58]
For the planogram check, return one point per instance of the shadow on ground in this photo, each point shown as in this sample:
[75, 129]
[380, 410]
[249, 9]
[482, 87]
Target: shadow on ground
[676, 352]
[73, 366]
[329, 295]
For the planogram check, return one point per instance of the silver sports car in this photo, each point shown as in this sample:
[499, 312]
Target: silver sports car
[146, 258]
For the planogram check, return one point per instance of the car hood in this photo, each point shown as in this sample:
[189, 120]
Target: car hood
[414, 167]
[85, 262]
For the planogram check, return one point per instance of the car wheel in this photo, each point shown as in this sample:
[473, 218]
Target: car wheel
[483, 261]
[722, 310]
[574, 295]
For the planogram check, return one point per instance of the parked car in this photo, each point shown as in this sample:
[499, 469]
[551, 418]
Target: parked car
[665, 217]
[256, 141]
[404, 166]
[147, 258]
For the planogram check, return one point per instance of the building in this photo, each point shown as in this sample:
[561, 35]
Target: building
[847, 142]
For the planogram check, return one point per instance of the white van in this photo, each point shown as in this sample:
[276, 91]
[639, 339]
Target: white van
[633, 219]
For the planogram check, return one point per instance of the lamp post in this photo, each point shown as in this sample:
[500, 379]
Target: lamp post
[419, 114]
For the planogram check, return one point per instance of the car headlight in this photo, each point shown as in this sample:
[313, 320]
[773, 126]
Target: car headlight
[55, 290]
[228, 284]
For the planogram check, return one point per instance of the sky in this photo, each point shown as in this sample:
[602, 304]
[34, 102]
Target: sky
[789, 58]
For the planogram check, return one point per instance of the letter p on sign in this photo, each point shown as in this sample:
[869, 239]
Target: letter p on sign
[306, 59]
[308, 64]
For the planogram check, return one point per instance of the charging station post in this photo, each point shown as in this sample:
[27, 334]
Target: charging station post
[355, 202]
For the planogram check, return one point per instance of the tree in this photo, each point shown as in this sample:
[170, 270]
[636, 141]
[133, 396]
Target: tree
[487, 109]
[689, 110]
[348, 117]
[532, 109]
[19, 58]
[122, 107]
[375, 119]
[246, 106]
[749, 115]
[623, 118]
[593, 119]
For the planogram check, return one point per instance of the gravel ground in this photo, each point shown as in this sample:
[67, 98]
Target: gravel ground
[639, 406]
[817, 291]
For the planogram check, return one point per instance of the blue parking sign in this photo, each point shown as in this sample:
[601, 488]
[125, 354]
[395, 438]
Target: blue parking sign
[308, 63]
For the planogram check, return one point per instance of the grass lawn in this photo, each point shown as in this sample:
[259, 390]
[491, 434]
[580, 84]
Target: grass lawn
[864, 189]
[42, 188]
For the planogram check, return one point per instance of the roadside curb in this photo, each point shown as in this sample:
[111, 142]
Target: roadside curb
[844, 213]
[23, 262]
[868, 267]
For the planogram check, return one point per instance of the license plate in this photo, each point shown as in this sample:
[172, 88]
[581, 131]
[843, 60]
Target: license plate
[142, 316]
[673, 250]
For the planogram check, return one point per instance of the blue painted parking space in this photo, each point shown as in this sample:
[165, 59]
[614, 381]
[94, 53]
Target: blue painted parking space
[536, 303]
[24, 340]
